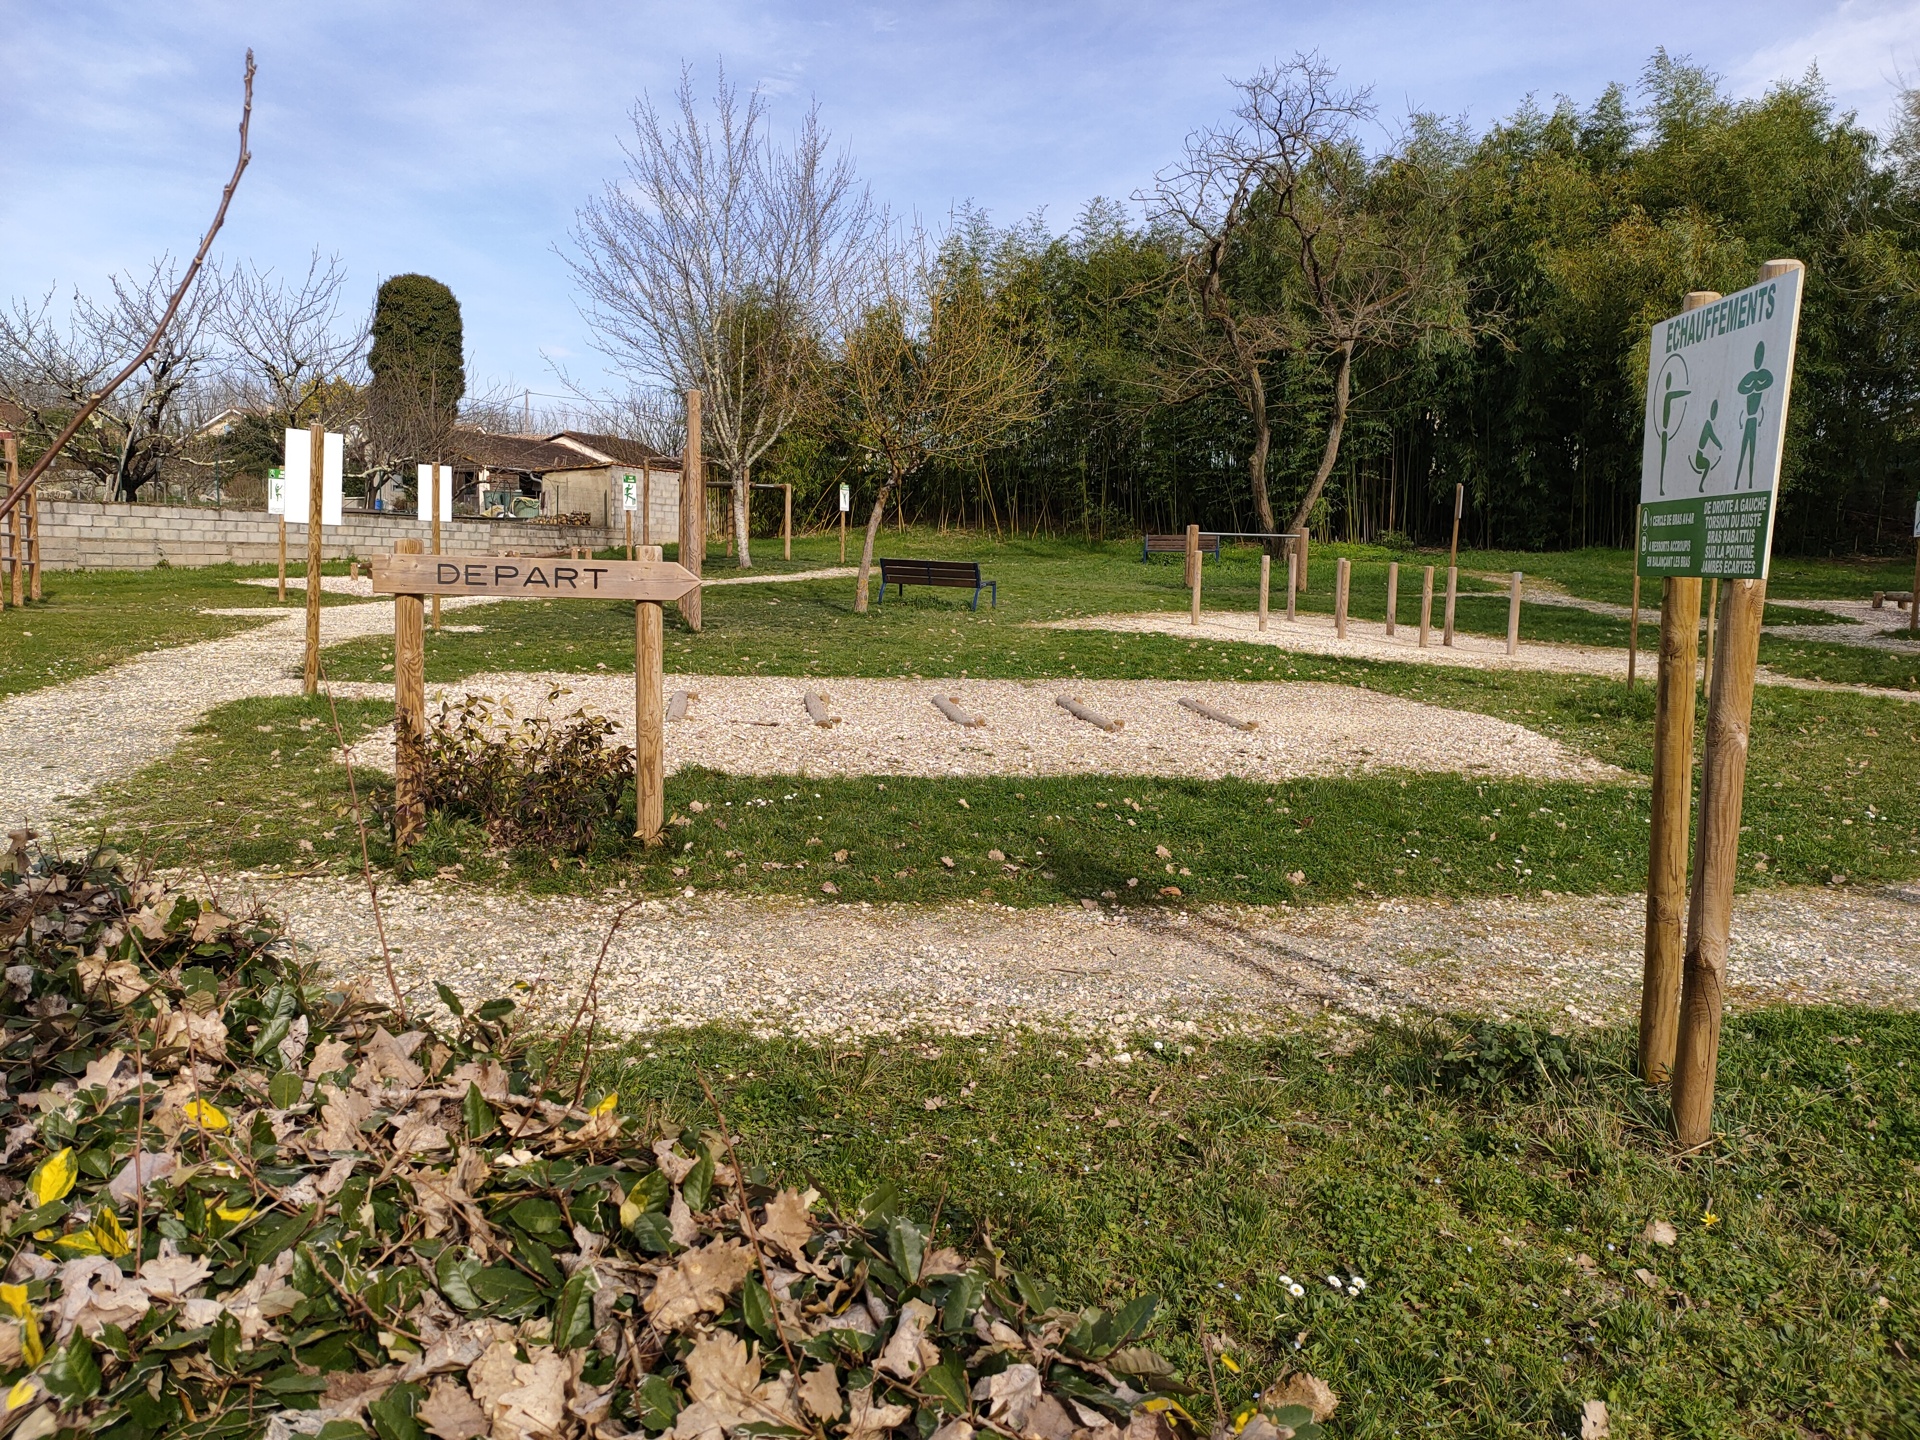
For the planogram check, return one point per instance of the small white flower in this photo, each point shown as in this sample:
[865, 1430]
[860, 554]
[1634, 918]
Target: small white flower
[1334, 1281]
[1359, 1283]
[1296, 1290]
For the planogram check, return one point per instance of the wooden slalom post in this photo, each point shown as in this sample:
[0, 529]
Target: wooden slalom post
[1342, 577]
[1513, 617]
[1393, 596]
[1266, 575]
[1426, 605]
[649, 713]
[316, 488]
[1193, 571]
[1293, 587]
[1453, 560]
[409, 712]
[1723, 778]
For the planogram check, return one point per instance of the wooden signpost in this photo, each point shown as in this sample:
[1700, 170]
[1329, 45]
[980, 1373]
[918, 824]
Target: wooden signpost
[1722, 364]
[693, 511]
[649, 582]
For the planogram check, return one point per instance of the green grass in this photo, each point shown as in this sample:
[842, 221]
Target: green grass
[1841, 664]
[1833, 789]
[1602, 574]
[89, 620]
[1206, 1176]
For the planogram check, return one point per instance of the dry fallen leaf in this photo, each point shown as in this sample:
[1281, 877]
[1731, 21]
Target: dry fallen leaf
[698, 1285]
[820, 1393]
[1659, 1232]
[1010, 1394]
[904, 1355]
[787, 1223]
[1594, 1424]
[1300, 1388]
[450, 1413]
[866, 1419]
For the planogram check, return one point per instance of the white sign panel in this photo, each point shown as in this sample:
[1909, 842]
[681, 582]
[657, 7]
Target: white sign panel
[1717, 384]
[846, 497]
[629, 490]
[276, 491]
[425, 473]
[298, 468]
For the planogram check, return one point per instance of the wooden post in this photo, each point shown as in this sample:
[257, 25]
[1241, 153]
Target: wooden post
[1913, 595]
[1393, 596]
[11, 452]
[281, 594]
[1453, 561]
[1723, 779]
[1342, 577]
[1453, 593]
[1426, 605]
[1303, 535]
[316, 487]
[1193, 553]
[15, 524]
[434, 471]
[409, 712]
[1266, 573]
[1671, 804]
[786, 521]
[1293, 588]
[629, 515]
[693, 510]
[649, 715]
[1706, 668]
[646, 503]
[1633, 626]
[33, 529]
[1513, 617]
[843, 537]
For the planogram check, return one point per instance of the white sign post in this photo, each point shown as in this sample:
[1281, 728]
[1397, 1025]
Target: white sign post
[1717, 384]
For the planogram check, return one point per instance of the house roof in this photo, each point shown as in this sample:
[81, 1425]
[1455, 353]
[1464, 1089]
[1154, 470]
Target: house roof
[615, 449]
[521, 454]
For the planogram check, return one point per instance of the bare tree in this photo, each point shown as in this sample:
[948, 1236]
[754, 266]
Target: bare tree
[1304, 245]
[713, 262]
[929, 368]
[288, 346]
[52, 370]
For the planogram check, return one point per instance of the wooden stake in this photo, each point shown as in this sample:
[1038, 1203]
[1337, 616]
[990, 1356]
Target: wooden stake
[1304, 537]
[1393, 596]
[1293, 574]
[316, 487]
[693, 510]
[1671, 802]
[1266, 574]
[1426, 605]
[282, 593]
[1342, 577]
[1193, 570]
[409, 712]
[786, 521]
[1723, 779]
[843, 537]
[1459, 509]
[649, 714]
[646, 503]
[1633, 627]
[1453, 594]
[1513, 617]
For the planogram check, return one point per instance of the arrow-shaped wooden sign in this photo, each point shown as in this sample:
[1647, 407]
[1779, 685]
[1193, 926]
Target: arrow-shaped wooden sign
[524, 578]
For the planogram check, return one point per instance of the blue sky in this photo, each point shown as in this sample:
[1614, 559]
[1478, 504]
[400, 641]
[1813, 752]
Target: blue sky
[459, 139]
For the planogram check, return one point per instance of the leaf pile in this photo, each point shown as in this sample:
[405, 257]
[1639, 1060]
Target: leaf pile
[241, 1204]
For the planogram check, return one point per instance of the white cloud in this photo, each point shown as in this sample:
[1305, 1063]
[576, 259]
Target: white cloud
[1860, 47]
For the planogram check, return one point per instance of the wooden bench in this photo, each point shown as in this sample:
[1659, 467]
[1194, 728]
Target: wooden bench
[949, 574]
[1151, 545]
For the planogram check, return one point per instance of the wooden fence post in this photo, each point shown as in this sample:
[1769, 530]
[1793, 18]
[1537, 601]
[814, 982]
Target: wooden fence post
[646, 502]
[1723, 780]
[1671, 803]
[1293, 587]
[649, 715]
[1304, 535]
[316, 488]
[409, 711]
[12, 458]
[1393, 596]
[1633, 626]
[1342, 577]
[33, 541]
[786, 520]
[1453, 593]
[15, 524]
[281, 593]
[1266, 573]
[1193, 570]
[1513, 617]
[1426, 605]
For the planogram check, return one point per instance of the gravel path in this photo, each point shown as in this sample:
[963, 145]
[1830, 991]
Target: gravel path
[785, 965]
[1313, 634]
[748, 725]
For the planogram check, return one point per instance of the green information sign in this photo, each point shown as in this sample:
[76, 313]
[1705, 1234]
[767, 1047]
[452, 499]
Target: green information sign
[1717, 383]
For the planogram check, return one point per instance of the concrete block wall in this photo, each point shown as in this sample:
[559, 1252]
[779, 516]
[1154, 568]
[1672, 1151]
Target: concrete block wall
[87, 535]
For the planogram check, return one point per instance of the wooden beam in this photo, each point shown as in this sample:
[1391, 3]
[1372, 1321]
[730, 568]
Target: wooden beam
[1200, 707]
[1077, 708]
[512, 577]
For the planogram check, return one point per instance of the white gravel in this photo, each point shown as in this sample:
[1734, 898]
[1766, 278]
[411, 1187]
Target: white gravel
[753, 726]
[787, 965]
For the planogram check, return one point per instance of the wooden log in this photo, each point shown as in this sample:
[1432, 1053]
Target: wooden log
[1513, 617]
[1342, 578]
[1293, 588]
[1200, 707]
[316, 489]
[1393, 596]
[1266, 573]
[1880, 599]
[1078, 709]
[1426, 605]
[409, 712]
[817, 709]
[677, 704]
[1453, 593]
[949, 706]
[649, 745]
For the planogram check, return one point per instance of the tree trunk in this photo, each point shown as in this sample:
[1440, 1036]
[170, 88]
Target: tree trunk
[1342, 390]
[742, 490]
[1262, 443]
[874, 521]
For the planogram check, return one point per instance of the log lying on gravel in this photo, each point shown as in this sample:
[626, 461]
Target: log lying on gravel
[677, 704]
[817, 709]
[1093, 717]
[949, 706]
[1200, 707]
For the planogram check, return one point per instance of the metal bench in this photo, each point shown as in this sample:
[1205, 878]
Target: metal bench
[948, 574]
[1151, 545]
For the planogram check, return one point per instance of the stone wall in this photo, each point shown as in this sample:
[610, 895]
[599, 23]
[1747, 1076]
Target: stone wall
[85, 535]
